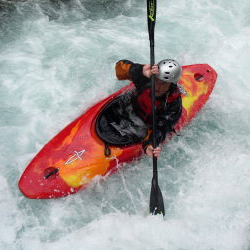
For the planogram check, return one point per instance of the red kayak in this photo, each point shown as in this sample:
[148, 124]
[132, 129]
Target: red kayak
[76, 155]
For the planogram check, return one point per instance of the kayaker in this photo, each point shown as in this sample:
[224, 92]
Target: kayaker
[167, 96]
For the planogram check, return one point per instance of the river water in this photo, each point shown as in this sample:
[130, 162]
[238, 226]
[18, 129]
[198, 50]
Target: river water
[57, 59]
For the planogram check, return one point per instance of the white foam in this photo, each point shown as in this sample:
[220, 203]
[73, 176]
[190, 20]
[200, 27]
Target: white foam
[55, 68]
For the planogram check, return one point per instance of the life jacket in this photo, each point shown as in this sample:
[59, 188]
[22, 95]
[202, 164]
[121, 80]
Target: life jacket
[142, 103]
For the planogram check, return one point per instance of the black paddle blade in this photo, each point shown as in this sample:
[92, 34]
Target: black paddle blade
[156, 205]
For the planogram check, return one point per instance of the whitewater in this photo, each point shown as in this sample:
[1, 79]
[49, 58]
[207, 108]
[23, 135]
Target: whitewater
[57, 59]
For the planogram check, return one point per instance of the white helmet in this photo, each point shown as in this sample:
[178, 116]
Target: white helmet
[169, 71]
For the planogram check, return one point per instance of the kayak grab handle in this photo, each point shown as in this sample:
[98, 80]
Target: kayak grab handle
[49, 172]
[198, 77]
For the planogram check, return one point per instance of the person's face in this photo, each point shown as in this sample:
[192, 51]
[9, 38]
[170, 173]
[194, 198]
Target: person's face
[161, 87]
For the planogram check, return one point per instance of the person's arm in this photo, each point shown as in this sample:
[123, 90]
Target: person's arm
[122, 69]
[139, 74]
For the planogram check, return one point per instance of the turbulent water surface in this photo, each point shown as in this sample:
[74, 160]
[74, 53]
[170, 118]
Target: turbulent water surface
[57, 59]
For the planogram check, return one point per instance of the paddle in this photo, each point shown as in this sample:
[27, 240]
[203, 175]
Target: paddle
[156, 205]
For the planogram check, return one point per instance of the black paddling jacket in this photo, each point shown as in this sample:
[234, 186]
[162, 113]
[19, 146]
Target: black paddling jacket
[168, 106]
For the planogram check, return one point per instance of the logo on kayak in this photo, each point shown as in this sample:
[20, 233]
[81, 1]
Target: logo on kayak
[77, 156]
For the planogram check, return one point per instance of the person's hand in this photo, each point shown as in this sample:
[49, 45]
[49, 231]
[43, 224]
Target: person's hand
[150, 151]
[147, 71]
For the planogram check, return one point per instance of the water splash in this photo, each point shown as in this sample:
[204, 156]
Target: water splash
[57, 59]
